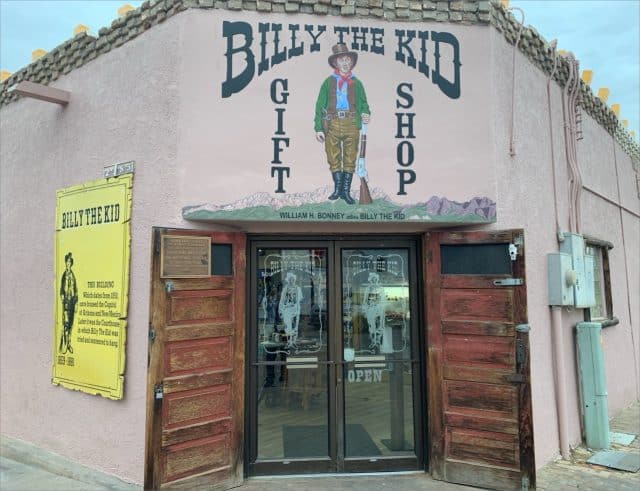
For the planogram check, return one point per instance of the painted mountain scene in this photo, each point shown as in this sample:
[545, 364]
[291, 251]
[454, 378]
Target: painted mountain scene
[314, 207]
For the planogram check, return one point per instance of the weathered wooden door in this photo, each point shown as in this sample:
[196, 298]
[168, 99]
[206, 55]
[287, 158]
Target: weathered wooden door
[478, 360]
[196, 370]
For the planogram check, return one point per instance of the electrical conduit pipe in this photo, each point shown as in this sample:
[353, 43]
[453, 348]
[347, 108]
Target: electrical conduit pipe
[560, 380]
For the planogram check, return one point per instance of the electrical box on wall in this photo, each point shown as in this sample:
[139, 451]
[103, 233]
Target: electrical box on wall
[570, 274]
[561, 277]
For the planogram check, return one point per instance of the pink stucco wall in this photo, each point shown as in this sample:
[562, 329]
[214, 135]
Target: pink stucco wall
[123, 107]
[608, 171]
[156, 100]
[525, 200]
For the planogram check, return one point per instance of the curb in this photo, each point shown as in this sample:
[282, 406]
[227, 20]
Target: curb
[30, 455]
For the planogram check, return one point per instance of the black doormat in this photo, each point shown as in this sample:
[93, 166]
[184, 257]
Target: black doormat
[313, 441]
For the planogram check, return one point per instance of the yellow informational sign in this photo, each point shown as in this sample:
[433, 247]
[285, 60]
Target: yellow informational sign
[92, 286]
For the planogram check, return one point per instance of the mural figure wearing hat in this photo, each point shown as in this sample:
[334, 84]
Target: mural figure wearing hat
[341, 109]
[69, 297]
[290, 299]
[373, 309]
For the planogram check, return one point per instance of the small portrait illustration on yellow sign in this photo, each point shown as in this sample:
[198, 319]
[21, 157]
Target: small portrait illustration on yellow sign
[92, 250]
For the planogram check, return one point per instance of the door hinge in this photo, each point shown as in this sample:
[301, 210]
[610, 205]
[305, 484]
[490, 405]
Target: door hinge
[158, 392]
[509, 282]
[515, 378]
[156, 242]
[520, 351]
[152, 334]
[168, 286]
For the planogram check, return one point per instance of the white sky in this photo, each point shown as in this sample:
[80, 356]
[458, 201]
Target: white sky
[602, 34]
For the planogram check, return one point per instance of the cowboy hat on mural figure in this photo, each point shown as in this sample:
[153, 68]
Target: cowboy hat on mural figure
[341, 110]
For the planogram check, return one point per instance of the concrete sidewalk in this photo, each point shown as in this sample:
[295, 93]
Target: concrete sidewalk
[24, 467]
[577, 474]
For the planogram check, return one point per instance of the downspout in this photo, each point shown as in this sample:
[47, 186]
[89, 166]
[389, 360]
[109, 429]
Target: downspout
[559, 379]
[512, 149]
[553, 45]
[556, 311]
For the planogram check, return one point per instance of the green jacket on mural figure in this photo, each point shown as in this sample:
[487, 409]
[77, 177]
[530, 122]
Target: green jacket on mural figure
[341, 110]
[362, 106]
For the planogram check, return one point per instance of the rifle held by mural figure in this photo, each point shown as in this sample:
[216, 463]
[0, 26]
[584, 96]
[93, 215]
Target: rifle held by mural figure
[365, 194]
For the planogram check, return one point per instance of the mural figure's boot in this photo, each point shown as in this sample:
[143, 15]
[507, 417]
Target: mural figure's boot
[337, 185]
[347, 177]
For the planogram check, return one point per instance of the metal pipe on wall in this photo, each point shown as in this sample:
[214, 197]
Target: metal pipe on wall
[559, 380]
[569, 104]
[556, 311]
[553, 44]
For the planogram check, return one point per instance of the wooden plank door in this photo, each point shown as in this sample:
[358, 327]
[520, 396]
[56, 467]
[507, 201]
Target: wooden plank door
[478, 360]
[195, 391]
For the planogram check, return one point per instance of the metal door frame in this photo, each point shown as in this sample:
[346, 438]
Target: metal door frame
[336, 462]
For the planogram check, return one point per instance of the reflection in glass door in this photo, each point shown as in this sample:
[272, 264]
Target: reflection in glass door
[291, 354]
[333, 358]
[378, 358]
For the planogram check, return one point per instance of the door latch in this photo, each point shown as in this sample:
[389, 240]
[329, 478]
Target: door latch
[515, 378]
[513, 251]
[508, 282]
[168, 286]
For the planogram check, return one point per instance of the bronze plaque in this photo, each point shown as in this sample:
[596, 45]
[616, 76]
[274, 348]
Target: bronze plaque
[183, 256]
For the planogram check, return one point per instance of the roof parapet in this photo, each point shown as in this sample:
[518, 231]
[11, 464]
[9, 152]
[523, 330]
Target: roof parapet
[82, 48]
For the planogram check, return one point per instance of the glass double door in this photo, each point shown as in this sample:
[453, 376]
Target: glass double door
[333, 358]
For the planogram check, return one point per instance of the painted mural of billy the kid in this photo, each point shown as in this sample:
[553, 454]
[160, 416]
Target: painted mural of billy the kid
[341, 110]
